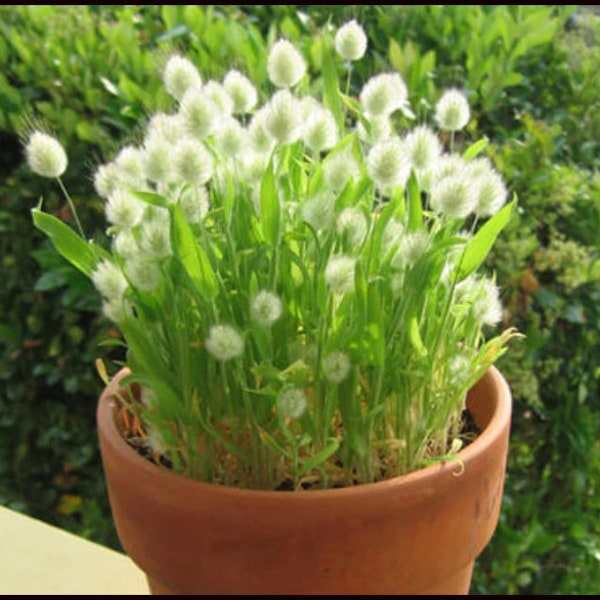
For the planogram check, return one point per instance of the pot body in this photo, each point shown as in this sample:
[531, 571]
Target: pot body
[415, 534]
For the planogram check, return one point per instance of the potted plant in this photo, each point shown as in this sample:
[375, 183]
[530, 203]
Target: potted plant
[308, 402]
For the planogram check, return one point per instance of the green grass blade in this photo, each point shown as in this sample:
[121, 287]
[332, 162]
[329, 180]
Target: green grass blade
[192, 255]
[152, 199]
[415, 208]
[314, 461]
[476, 148]
[81, 254]
[270, 211]
[481, 243]
[332, 99]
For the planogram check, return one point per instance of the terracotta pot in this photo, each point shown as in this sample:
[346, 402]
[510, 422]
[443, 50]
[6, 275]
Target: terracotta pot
[416, 534]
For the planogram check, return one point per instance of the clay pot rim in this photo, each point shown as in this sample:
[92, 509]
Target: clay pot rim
[480, 446]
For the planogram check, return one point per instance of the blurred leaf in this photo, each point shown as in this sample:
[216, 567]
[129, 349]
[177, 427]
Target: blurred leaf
[110, 86]
[50, 281]
[481, 243]
[177, 32]
[192, 255]
[68, 244]
[332, 98]
[270, 209]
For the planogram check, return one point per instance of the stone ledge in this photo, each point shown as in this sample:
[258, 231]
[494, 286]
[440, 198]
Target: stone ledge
[37, 558]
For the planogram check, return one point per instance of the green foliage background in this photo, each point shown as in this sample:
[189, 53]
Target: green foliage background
[531, 74]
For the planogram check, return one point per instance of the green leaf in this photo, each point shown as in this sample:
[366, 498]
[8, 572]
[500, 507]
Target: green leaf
[361, 294]
[331, 90]
[50, 280]
[9, 334]
[192, 255]
[270, 442]
[151, 198]
[81, 254]
[356, 108]
[397, 58]
[415, 208]
[270, 211]
[110, 342]
[376, 329]
[394, 207]
[415, 336]
[481, 243]
[109, 86]
[178, 31]
[320, 457]
[474, 149]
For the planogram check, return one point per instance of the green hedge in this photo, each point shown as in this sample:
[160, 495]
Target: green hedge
[531, 74]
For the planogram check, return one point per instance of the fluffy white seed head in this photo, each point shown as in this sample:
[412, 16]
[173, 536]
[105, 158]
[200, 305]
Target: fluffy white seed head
[155, 239]
[339, 273]
[194, 201]
[117, 310]
[336, 366]
[265, 308]
[164, 128]
[319, 211]
[260, 138]
[491, 196]
[410, 249]
[320, 130]
[123, 210]
[252, 165]
[397, 280]
[452, 111]
[383, 94]
[379, 129]
[292, 402]
[218, 94]
[283, 120]
[180, 75]
[453, 196]
[425, 178]
[125, 244]
[388, 163]
[479, 166]
[487, 307]
[157, 160]
[449, 164]
[156, 214]
[241, 91]
[453, 259]
[353, 223]
[230, 138]
[423, 147]
[143, 274]
[309, 106]
[392, 236]
[200, 115]
[192, 162]
[106, 180]
[351, 41]
[459, 367]
[491, 191]
[45, 156]
[339, 169]
[109, 280]
[285, 64]
[224, 342]
[129, 164]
